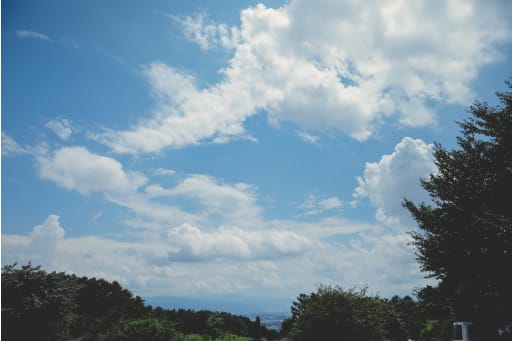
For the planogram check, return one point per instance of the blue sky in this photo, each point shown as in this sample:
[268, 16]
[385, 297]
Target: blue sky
[234, 148]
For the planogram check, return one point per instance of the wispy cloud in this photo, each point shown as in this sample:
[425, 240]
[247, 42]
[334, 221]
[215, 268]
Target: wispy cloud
[314, 205]
[164, 171]
[61, 127]
[32, 35]
[11, 147]
[313, 139]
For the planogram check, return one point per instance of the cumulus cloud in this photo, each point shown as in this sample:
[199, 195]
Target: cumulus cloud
[88, 255]
[32, 35]
[61, 127]
[395, 176]
[75, 168]
[231, 260]
[192, 244]
[329, 66]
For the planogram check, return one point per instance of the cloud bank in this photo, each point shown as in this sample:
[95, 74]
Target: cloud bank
[203, 234]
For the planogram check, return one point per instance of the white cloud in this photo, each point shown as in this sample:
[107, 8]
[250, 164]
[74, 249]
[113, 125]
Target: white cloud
[11, 147]
[164, 171]
[330, 203]
[221, 229]
[268, 262]
[314, 204]
[75, 168]
[207, 35]
[32, 34]
[89, 255]
[329, 66]
[395, 176]
[313, 139]
[191, 244]
[234, 203]
[324, 228]
[186, 115]
[61, 127]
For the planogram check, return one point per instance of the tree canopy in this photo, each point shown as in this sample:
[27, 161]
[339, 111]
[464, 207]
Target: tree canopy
[335, 313]
[465, 233]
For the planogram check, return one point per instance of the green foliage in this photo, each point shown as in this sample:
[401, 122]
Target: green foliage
[37, 305]
[333, 313]
[466, 234]
[149, 329]
[196, 337]
[409, 314]
[101, 304]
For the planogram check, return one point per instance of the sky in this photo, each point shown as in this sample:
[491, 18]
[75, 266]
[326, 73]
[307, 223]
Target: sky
[234, 148]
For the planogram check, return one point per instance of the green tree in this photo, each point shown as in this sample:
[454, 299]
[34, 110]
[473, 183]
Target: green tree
[465, 236]
[333, 313]
[37, 305]
[409, 314]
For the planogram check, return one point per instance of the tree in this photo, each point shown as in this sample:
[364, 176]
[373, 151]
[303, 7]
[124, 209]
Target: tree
[333, 313]
[37, 305]
[465, 236]
[409, 313]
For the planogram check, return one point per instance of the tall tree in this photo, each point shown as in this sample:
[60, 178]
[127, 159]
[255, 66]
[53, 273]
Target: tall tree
[465, 236]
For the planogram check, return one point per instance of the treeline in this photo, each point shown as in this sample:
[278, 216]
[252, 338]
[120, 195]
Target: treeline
[40, 305]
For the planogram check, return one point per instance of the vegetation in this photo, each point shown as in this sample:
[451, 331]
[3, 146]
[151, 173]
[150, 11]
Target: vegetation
[333, 313]
[465, 239]
[37, 305]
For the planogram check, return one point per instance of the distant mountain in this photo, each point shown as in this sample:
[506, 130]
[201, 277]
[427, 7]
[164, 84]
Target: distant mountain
[239, 305]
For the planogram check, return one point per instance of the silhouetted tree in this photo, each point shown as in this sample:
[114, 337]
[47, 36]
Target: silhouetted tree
[465, 237]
